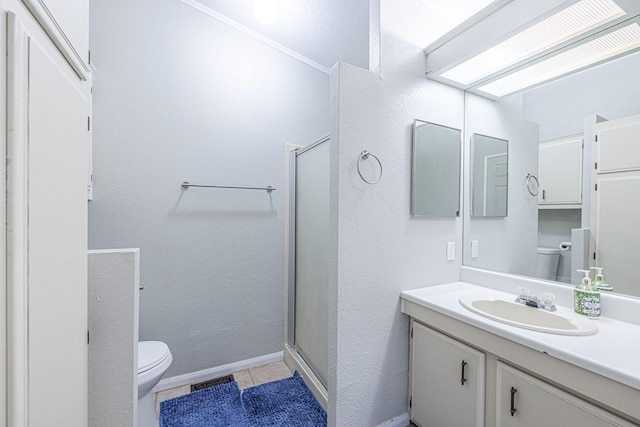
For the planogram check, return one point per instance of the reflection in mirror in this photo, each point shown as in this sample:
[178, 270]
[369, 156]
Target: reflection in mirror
[559, 230]
[489, 176]
[435, 181]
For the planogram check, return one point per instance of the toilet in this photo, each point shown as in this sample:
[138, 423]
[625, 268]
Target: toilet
[547, 263]
[154, 358]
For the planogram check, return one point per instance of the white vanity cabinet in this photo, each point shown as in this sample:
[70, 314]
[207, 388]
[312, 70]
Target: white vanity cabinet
[447, 382]
[547, 391]
[560, 173]
[525, 401]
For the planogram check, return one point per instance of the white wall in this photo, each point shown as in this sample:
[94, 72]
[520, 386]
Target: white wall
[611, 91]
[379, 248]
[114, 282]
[180, 96]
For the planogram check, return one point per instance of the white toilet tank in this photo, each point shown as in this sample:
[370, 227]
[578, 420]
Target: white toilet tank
[547, 263]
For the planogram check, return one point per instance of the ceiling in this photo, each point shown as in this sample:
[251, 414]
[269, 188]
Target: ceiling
[325, 31]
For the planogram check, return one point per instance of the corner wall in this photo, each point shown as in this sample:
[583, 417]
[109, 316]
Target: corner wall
[380, 249]
[179, 96]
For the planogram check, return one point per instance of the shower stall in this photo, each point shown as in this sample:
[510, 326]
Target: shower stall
[307, 323]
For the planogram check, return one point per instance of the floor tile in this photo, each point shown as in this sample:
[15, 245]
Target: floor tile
[243, 378]
[271, 372]
[170, 394]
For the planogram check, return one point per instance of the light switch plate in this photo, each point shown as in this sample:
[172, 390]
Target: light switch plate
[451, 251]
[474, 249]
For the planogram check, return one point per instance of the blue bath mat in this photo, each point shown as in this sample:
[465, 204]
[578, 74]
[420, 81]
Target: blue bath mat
[284, 403]
[287, 402]
[219, 406]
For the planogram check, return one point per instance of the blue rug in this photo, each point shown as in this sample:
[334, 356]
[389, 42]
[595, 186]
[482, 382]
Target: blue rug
[219, 406]
[287, 402]
[284, 403]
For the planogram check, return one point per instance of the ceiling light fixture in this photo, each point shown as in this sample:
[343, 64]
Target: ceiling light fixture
[265, 11]
[526, 43]
[568, 23]
[593, 52]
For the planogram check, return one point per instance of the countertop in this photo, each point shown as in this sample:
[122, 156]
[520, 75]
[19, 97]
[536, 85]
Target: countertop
[613, 352]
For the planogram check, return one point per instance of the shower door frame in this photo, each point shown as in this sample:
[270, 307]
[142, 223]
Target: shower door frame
[296, 352]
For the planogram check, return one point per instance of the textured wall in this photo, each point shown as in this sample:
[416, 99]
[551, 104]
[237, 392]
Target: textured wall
[380, 249]
[180, 96]
[114, 281]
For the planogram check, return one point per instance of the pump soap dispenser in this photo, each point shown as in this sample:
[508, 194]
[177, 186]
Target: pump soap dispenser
[598, 281]
[586, 298]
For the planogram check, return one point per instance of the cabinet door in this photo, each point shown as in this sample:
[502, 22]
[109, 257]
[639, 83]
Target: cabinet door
[47, 113]
[447, 381]
[560, 171]
[617, 148]
[524, 401]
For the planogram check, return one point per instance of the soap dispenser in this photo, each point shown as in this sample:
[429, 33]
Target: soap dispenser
[598, 280]
[586, 298]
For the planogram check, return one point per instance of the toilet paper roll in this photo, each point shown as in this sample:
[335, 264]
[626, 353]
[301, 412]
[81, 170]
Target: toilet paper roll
[565, 246]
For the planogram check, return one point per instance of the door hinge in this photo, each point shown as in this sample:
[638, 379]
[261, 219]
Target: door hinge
[594, 256]
[89, 57]
[596, 138]
[410, 402]
[88, 122]
[596, 187]
[411, 333]
[596, 165]
[87, 337]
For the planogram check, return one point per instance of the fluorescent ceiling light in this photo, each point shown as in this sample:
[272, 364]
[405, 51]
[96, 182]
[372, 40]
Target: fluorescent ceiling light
[568, 23]
[590, 53]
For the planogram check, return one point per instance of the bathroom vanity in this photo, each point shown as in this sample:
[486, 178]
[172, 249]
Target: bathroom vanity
[468, 370]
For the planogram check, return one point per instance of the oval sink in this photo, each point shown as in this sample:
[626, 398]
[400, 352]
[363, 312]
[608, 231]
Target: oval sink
[562, 321]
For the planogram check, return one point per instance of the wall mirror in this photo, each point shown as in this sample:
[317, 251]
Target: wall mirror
[489, 176]
[435, 180]
[558, 120]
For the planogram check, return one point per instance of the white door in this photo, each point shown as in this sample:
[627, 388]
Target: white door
[495, 185]
[47, 118]
[616, 202]
[447, 380]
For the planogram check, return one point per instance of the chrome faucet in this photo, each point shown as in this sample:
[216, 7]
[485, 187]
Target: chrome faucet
[546, 301]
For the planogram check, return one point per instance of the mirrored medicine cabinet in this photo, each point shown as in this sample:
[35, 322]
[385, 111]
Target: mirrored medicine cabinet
[436, 170]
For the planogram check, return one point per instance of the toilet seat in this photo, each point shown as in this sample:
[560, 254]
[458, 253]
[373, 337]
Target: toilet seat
[151, 354]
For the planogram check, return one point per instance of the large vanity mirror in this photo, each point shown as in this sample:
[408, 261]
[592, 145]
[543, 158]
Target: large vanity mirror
[435, 180]
[552, 132]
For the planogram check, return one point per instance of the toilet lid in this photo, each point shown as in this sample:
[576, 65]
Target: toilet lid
[150, 354]
[548, 251]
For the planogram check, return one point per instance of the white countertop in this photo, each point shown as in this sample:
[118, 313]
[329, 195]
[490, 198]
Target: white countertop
[614, 352]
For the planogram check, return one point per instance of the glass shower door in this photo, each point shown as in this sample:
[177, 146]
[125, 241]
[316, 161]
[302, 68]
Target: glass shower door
[309, 255]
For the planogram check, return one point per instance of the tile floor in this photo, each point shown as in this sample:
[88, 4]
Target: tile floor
[247, 378]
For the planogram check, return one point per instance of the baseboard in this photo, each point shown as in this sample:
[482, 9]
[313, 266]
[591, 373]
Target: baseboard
[296, 363]
[218, 371]
[399, 421]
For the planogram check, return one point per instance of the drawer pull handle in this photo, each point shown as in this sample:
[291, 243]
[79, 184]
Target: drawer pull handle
[462, 378]
[513, 394]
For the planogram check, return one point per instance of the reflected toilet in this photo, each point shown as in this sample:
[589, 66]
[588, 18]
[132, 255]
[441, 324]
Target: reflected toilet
[547, 263]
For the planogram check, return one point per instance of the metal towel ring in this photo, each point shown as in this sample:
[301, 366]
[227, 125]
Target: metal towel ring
[529, 179]
[365, 155]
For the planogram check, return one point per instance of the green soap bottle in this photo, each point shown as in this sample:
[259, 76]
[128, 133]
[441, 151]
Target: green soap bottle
[598, 280]
[586, 298]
